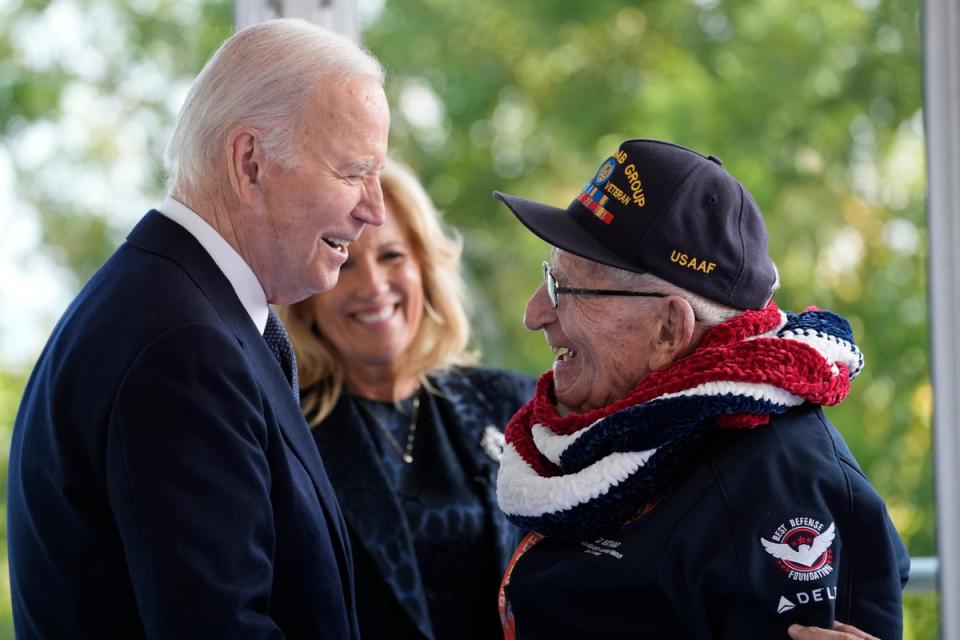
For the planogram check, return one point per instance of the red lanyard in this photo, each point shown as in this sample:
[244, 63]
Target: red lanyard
[506, 611]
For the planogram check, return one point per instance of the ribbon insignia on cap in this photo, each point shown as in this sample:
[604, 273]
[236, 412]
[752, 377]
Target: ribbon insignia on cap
[592, 197]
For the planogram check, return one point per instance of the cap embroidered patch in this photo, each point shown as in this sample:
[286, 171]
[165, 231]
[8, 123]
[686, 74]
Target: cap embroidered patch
[593, 198]
[605, 171]
[803, 548]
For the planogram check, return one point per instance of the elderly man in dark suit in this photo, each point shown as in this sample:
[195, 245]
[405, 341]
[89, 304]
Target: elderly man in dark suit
[163, 482]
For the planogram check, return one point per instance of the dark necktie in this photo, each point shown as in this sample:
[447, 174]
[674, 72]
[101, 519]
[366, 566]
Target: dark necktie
[282, 348]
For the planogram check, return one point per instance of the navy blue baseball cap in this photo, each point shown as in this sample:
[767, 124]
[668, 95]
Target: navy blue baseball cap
[656, 207]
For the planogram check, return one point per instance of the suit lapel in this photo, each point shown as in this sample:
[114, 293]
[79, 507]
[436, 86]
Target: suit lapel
[370, 505]
[158, 234]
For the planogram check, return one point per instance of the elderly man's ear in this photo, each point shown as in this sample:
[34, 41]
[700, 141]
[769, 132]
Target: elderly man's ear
[245, 163]
[676, 334]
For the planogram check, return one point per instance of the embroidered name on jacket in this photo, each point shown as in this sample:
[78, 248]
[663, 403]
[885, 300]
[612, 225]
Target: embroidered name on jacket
[603, 546]
[803, 548]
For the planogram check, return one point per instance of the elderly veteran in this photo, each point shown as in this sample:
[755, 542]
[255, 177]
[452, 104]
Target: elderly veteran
[675, 469]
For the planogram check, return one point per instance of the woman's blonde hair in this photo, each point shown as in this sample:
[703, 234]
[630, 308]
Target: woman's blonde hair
[443, 335]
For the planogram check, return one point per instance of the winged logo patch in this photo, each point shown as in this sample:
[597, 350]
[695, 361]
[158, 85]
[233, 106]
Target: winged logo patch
[803, 548]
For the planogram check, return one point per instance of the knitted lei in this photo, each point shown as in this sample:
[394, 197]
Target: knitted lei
[586, 473]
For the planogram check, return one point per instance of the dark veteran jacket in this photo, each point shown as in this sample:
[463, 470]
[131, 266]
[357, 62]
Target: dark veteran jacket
[162, 480]
[471, 402]
[711, 560]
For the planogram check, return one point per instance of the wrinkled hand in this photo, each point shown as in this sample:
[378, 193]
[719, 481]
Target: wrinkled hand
[840, 632]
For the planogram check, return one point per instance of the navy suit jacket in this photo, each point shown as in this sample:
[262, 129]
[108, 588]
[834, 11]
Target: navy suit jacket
[162, 480]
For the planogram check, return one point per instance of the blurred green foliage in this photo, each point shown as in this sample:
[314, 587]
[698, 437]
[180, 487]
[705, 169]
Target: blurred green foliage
[816, 107]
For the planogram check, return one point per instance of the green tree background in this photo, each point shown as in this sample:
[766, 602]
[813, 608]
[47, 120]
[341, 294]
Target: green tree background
[816, 107]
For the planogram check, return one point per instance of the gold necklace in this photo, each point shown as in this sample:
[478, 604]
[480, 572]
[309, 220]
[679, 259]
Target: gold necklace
[405, 453]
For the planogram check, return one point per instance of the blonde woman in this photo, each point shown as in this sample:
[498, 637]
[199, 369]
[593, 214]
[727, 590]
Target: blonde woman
[409, 431]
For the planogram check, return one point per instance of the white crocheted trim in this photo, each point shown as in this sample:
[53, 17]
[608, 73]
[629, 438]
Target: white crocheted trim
[832, 348]
[522, 492]
[755, 390]
[552, 445]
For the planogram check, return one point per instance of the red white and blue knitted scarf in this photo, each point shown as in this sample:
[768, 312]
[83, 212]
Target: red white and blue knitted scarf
[587, 473]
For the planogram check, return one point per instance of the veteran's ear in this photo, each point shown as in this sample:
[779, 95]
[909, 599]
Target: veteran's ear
[674, 337]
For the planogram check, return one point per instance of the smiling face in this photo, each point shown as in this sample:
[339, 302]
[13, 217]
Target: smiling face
[307, 214]
[603, 346]
[371, 317]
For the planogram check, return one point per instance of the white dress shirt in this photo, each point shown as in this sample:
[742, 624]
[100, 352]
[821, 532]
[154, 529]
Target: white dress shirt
[242, 278]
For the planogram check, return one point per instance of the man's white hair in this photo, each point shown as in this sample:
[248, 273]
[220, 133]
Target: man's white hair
[262, 76]
[707, 312]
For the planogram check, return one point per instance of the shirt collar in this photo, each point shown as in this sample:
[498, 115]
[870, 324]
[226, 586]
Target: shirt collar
[241, 277]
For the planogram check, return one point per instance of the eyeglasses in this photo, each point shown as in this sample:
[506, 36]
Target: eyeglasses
[554, 291]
